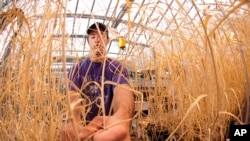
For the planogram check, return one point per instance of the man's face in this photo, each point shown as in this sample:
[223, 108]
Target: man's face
[97, 43]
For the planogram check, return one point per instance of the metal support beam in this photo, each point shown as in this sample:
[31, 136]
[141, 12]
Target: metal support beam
[120, 15]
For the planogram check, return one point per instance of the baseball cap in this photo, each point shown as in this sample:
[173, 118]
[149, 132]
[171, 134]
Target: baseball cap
[95, 26]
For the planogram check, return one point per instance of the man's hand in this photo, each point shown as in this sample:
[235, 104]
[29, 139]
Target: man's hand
[67, 132]
[117, 126]
[114, 130]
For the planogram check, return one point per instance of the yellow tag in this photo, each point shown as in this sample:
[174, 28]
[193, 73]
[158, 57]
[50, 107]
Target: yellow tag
[122, 42]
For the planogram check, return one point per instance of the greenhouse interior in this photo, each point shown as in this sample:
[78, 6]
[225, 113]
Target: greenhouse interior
[180, 70]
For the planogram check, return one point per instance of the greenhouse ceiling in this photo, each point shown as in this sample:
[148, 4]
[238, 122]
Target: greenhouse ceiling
[141, 22]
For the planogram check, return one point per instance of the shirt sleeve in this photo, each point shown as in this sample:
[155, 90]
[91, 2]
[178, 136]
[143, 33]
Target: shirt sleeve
[121, 75]
[74, 77]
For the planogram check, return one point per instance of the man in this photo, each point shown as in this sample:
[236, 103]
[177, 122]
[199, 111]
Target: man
[102, 85]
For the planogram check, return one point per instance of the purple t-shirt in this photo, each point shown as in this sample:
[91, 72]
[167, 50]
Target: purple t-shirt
[86, 77]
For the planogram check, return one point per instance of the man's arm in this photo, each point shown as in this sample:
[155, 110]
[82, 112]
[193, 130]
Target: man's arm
[123, 102]
[67, 132]
[119, 124]
[75, 106]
